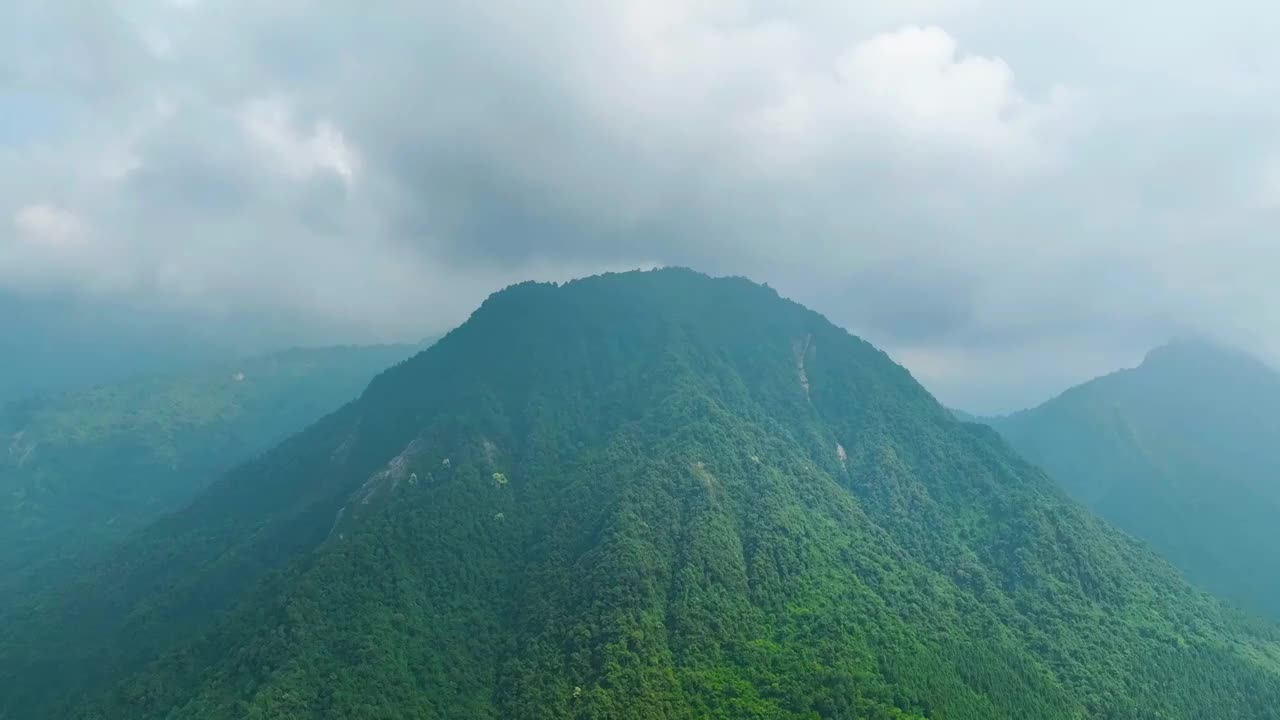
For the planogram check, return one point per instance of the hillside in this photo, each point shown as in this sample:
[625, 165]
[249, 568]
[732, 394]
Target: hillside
[81, 470]
[646, 495]
[1183, 452]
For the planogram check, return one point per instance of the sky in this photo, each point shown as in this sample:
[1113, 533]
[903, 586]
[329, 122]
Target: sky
[1008, 197]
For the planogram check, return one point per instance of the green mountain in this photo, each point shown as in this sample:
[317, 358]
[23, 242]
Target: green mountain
[646, 495]
[81, 470]
[1183, 452]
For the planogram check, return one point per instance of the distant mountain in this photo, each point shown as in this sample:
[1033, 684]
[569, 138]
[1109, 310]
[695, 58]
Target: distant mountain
[645, 495]
[81, 470]
[1183, 452]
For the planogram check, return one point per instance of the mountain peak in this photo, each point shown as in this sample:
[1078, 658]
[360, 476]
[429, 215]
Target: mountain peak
[1200, 359]
[1200, 353]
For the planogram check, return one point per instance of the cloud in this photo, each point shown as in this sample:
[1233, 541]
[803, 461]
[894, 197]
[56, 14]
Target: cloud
[48, 227]
[1005, 195]
[48, 244]
[268, 123]
[913, 81]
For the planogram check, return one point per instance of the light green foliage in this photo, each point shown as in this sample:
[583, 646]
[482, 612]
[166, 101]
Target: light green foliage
[499, 479]
[686, 545]
[1183, 452]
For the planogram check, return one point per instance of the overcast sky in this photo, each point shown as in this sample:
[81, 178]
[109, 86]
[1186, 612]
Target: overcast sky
[1007, 197]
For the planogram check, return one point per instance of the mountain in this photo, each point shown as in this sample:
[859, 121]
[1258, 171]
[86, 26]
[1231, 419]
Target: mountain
[81, 470]
[1183, 452]
[640, 495]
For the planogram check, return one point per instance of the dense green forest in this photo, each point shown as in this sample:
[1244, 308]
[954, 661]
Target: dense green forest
[1183, 452]
[81, 470]
[645, 495]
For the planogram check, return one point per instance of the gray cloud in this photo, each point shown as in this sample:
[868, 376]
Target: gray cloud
[1007, 197]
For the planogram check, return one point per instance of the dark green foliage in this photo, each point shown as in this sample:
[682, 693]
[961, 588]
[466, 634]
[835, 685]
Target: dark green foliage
[717, 505]
[1183, 452]
[82, 470]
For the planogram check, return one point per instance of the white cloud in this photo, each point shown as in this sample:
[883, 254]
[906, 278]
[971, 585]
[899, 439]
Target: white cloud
[911, 93]
[48, 227]
[159, 43]
[915, 81]
[49, 245]
[269, 124]
[119, 155]
[119, 160]
[1267, 196]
